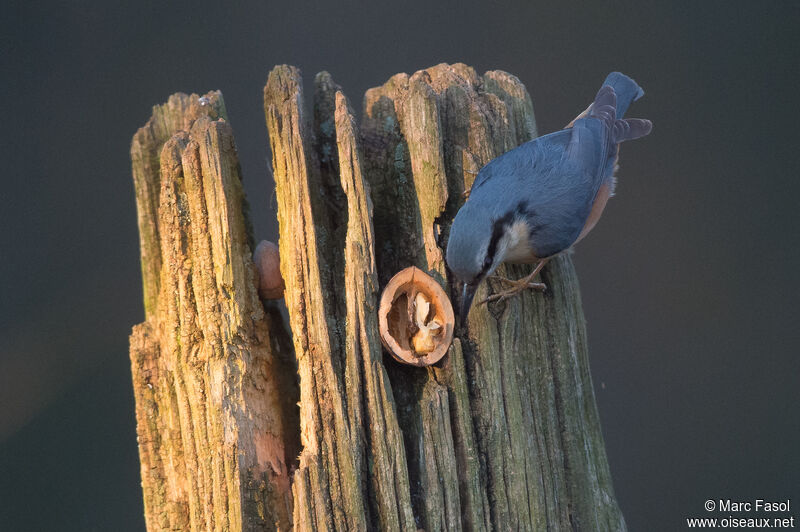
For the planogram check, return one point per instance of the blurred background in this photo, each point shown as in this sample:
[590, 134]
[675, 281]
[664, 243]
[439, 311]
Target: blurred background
[689, 282]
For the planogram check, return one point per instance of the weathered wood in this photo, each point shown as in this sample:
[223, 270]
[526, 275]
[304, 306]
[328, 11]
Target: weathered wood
[212, 371]
[521, 405]
[352, 473]
[506, 436]
[502, 434]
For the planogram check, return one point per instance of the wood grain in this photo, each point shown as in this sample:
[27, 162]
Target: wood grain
[212, 371]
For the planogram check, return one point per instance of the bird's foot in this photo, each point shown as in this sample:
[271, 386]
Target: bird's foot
[517, 287]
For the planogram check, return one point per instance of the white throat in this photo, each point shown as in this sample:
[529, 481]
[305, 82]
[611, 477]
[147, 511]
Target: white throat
[515, 244]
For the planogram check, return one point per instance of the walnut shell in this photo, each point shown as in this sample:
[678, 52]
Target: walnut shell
[415, 318]
[268, 264]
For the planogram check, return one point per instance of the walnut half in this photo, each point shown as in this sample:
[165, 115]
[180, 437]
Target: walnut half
[416, 318]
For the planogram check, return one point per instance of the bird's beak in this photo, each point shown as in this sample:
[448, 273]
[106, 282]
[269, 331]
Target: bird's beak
[467, 294]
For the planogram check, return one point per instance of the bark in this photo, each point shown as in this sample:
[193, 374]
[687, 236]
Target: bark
[501, 434]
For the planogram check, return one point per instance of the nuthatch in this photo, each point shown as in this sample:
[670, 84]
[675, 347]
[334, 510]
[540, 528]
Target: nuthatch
[542, 197]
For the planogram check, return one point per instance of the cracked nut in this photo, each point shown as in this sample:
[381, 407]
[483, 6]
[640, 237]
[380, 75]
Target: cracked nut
[268, 264]
[415, 318]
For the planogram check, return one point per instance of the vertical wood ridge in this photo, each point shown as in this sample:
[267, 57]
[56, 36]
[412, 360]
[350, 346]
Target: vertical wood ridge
[213, 384]
[389, 489]
[335, 478]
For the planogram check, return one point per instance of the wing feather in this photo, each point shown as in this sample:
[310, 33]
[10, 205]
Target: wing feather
[551, 181]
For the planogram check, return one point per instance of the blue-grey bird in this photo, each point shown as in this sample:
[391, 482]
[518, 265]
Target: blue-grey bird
[542, 197]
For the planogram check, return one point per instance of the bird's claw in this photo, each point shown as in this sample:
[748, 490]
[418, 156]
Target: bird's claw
[518, 287]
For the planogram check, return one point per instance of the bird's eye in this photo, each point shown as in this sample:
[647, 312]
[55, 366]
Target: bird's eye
[487, 262]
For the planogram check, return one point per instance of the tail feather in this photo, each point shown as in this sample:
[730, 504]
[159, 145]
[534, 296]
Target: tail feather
[604, 106]
[610, 104]
[631, 129]
[626, 89]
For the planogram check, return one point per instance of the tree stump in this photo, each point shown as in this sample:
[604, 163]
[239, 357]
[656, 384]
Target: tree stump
[502, 433]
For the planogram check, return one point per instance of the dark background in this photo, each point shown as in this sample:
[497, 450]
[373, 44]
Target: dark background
[689, 282]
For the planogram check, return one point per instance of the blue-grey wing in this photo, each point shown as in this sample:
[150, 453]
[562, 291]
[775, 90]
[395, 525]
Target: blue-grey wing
[564, 197]
[523, 158]
[551, 181]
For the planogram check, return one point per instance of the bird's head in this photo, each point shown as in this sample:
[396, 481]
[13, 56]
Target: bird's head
[474, 250]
